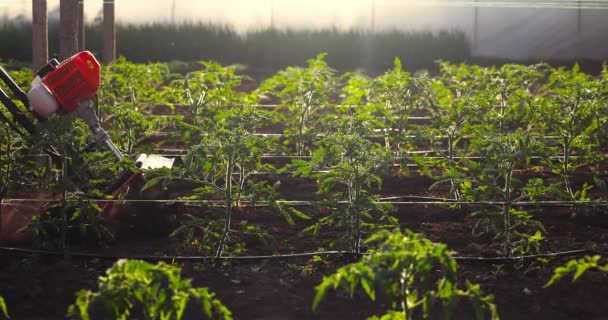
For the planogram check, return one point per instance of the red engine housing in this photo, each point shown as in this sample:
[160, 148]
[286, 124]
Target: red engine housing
[75, 79]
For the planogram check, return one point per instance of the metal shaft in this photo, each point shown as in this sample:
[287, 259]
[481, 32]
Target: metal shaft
[86, 111]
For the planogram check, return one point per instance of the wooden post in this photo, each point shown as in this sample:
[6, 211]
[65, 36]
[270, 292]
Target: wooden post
[109, 32]
[81, 35]
[68, 28]
[40, 35]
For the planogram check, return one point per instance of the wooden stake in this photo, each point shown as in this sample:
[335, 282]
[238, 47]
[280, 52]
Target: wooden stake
[40, 34]
[68, 28]
[109, 32]
[81, 33]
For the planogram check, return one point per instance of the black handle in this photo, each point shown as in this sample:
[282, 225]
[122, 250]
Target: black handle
[17, 113]
[14, 87]
[123, 178]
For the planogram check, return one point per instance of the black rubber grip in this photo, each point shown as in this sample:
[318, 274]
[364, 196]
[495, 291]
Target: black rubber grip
[14, 87]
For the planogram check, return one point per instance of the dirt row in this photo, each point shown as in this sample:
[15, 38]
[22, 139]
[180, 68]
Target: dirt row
[39, 287]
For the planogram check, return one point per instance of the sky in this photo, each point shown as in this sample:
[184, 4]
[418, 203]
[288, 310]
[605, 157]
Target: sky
[251, 14]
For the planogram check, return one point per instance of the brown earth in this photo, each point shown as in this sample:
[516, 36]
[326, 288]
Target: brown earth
[39, 287]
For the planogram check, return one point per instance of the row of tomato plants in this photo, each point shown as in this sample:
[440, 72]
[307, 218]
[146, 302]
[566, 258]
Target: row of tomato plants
[485, 125]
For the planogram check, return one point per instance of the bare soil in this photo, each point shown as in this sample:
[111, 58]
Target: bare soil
[39, 287]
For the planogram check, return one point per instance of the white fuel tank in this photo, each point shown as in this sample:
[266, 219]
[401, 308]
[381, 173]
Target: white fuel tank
[42, 101]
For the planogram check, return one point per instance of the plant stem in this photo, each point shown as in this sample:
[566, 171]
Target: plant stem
[357, 216]
[507, 212]
[64, 209]
[503, 105]
[387, 142]
[301, 126]
[404, 293]
[5, 181]
[401, 127]
[2, 195]
[228, 210]
[452, 165]
[567, 143]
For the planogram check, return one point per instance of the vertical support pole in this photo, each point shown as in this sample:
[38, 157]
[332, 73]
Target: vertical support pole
[81, 33]
[40, 34]
[109, 32]
[68, 28]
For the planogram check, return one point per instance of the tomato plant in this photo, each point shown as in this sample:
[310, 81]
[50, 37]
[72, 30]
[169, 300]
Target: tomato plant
[412, 273]
[123, 82]
[206, 92]
[15, 166]
[303, 92]
[346, 158]
[570, 110]
[74, 211]
[453, 115]
[137, 289]
[577, 267]
[512, 87]
[396, 94]
[492, 179]
[223, 163]
[127, 95]
[10, 147]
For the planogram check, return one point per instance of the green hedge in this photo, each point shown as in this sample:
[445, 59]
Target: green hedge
[267, 48]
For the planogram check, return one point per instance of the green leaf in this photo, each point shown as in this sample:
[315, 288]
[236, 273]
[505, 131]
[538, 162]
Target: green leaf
[368, 287]
[3, 307]
[299, 214]
[321, 290]
[153, 183]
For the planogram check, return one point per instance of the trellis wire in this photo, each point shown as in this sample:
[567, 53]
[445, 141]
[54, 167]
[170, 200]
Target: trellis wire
[409, 136]
[85, 255]
[274, 106]
[183, 152]
[310, 203]
[269, 156]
